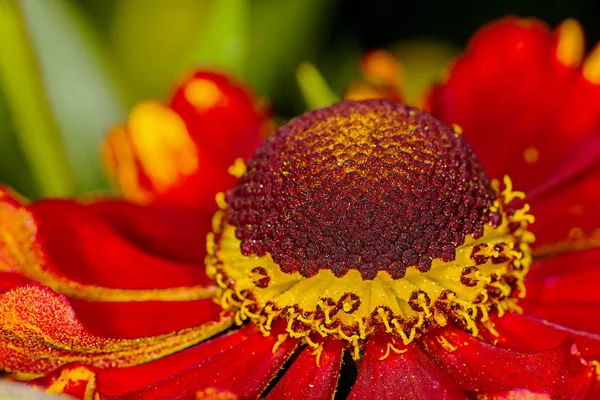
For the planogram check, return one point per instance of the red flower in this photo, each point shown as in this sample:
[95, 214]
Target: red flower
[364, 242]
[180, 154]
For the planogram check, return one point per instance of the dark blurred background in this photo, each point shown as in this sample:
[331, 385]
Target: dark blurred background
[380, 22]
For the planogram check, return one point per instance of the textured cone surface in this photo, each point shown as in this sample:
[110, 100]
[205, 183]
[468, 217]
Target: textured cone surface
[372, 186]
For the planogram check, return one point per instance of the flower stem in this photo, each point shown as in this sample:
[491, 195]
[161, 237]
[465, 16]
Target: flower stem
[23, 87]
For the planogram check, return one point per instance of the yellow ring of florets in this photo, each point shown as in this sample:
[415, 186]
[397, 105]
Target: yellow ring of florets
[487, 274]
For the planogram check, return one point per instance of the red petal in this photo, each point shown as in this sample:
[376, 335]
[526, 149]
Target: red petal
[580, 162]
[40, 333]
[70, 248]
[87, 249]
[513, 91]
[15, 230]
[409, 375]
[76, 380]
[575, 315]
[153, 159]
[529, 334]
[243, 370]
[148, 318]
[113, 252]
[174, 233]
[570, 277]
[563, 289]
[15, 224]
[522, 394]
[482, 367]
[119, 381]
[310, 377]
[222, 115]
[568, 218]
[11, 279]
[575, 263]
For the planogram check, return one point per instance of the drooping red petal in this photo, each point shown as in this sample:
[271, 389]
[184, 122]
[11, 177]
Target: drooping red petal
[87, 249]
[147, 318]
[72, 249]
[563, 289]
[567, 218]
[529, 334]
[114, 382]
[175, 233]
[40, 332]
[567, 277]
[11, 279]
[126, 256]
[243, 370]
[521, 96]
[482, 367]
[518, 394]
[311, 376]
[575, 315]
[386, 374]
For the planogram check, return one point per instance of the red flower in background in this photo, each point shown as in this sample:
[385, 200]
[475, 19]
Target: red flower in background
[179, 154]
[384, 78]
[367, 229]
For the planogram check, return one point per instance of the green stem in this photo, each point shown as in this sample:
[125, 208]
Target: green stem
[22, 84]
[314, 88]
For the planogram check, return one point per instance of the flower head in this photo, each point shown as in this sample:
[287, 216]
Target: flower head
[365, 216]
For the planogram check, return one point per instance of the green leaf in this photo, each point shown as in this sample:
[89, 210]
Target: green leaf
[223, 42]
[30, 110]
[284, 33]
[314, 88]
[151, 38]
[14, 170]
[80, 83]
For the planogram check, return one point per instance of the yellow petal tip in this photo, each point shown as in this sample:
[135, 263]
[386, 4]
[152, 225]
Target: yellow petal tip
[571, 43]
[591, 66]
